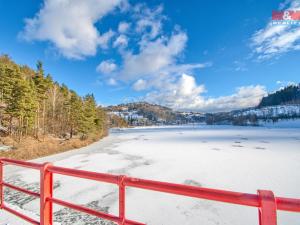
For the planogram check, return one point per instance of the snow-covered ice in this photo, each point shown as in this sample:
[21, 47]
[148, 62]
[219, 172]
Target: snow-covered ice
[232, 158]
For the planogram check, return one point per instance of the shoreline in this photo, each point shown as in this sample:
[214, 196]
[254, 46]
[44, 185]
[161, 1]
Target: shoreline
[30, 148]
[102, 143]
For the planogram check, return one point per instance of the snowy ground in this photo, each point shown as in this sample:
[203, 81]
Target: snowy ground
[232, 158]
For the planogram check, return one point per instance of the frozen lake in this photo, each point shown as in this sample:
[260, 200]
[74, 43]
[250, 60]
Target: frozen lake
[232, 158]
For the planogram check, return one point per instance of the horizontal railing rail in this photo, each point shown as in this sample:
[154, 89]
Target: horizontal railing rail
[264, 200]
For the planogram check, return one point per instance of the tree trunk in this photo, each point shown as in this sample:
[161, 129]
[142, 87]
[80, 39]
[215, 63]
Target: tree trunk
[37, 122]
[44, 112]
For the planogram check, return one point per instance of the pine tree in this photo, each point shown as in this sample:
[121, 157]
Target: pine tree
[42, 85]
[76, 114]
[22, 106]
[100, 121]
[88, 124]
[31, 102]
[9, 74]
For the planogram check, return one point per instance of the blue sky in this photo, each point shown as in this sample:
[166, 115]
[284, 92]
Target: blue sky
[189, 55]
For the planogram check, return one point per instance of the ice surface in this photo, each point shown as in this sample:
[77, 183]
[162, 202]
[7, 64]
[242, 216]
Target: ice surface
[232, 158]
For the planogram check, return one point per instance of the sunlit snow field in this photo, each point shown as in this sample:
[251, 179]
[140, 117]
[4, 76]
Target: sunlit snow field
[232, 158]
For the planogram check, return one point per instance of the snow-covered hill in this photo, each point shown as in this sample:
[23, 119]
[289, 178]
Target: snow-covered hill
[286, 111]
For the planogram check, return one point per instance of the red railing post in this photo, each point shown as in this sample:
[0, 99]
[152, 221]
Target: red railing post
[46, 191]
[267, 208]
[121, 200]
[1, 185]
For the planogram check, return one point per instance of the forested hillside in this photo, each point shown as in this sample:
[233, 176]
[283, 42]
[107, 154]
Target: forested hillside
[283, 104]
[287, 95]
[33, 104]
[142, 113]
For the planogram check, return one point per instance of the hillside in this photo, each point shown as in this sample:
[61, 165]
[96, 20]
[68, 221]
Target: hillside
[282, 104]
[287, 95]
[144, 113]
[36, 109]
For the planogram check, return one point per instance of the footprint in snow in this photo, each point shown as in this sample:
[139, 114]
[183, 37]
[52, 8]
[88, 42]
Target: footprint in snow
[238, 146]
[84, 161]
[244, 138]
[260, 148]
[192, 183]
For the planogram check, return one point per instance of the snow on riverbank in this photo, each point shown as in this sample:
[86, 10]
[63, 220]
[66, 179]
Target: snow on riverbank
[232, 158]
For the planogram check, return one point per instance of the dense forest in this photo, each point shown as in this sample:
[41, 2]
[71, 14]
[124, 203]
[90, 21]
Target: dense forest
[287, 95]
[33, 104]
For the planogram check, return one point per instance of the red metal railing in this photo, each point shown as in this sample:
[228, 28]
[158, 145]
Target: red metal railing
[264, 200]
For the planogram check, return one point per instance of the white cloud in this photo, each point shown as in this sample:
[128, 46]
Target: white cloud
[70, 26]
[121, 41]
[104, 39]
[239, 66]
[156, 56]
[153, 56]
[185, 94]
[274, 40]
[182, 68]
[123, 27]
[112, 82]
[245, 96]
[153, 64]
[106, 67]
[148, 19]
[140, 85]
[179, 94]
[283, 83]
[155, 59]
[155, 27]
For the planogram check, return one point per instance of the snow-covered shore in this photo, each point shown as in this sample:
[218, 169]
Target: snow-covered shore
[232, 158]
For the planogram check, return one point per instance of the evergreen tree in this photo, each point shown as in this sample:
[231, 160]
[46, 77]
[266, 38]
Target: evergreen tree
[31, 102]
[42, 85]
[22, 106]
[76, 119]
[88, 122]
[287, 95]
